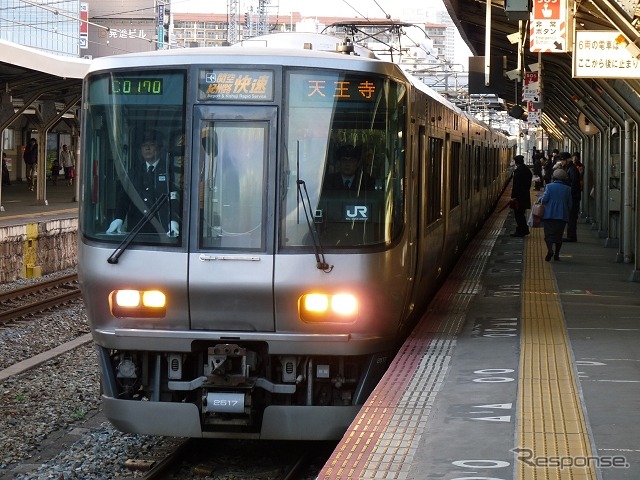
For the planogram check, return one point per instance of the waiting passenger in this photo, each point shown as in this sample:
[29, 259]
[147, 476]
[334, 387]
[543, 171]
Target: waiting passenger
[350, 175]
[31, 163]
[5, 170]
[520, 196]
[151, 178]
[557, 202]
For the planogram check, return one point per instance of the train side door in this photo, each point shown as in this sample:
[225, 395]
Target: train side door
[232, 225]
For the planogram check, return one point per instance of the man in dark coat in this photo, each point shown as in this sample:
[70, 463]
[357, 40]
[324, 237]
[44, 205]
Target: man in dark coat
[537, 169]
[520, 196]
[576, 193]
[31, 162]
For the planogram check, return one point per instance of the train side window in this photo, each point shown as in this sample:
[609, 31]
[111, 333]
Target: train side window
[454, 174]
[434, 179]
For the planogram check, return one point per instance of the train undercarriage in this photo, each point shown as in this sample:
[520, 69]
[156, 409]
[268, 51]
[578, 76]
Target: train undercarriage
[232, 385]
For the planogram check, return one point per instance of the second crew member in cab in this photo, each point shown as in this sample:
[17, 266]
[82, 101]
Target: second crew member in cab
[349, 174]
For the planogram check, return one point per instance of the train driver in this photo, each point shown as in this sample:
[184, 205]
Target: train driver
[350, 175]
[149, 179]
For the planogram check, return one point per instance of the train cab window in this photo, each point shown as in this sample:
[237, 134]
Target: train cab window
[232, 163]
[342, 175]
[134, 132]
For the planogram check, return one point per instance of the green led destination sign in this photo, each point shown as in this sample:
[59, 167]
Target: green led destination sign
[135, 86]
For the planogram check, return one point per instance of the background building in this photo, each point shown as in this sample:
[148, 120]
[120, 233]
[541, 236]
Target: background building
[54, 29]
[117, 27]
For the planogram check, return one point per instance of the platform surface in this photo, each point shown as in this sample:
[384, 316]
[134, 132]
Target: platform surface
[521, 369]
[19, 205]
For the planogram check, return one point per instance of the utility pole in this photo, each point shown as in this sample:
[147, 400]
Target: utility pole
[233, 27]
[263, 17]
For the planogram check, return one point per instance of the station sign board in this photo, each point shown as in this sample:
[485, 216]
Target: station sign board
[549, 26]
[597, 54]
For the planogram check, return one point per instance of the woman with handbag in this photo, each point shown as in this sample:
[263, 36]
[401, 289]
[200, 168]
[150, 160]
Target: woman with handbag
[557, 202]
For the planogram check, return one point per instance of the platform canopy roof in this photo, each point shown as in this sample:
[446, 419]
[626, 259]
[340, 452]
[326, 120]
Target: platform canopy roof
[564, 96]
[29, 75]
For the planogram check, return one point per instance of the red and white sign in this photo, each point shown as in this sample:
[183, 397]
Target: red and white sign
[546, 10]
[531, 87]
[84, 25]
[549, 26]
[534, 116]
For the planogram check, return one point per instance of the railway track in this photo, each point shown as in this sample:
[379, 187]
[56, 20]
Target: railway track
[196, 458]
[39, 297]
[172, 458]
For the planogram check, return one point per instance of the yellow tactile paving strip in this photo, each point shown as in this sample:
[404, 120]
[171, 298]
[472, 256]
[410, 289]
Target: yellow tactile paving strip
[553, 440]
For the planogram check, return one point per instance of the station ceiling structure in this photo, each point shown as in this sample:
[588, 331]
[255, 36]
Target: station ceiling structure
[570, 105]
[38, 84]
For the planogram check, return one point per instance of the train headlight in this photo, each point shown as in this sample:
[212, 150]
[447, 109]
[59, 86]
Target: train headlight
[320, 307]
[138, 303]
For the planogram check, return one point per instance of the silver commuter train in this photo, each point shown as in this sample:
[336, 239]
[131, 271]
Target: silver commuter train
[232, 293]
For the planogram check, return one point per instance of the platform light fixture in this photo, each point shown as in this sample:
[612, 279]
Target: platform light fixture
[514, 75]
[514, 37]
[632, 48]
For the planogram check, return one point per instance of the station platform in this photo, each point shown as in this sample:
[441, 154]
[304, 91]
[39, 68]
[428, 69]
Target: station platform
[20, 205]
[520, 369]
[37, 236]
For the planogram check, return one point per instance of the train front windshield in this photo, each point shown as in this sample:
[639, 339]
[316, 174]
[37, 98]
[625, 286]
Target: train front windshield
[338, 167]
[343, 159]
[133, 151]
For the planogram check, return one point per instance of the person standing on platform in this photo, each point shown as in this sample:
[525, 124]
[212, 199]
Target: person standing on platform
[573, 179]
[538, 157]
[31, 162]
[520, 196]
[55, 171]
[547, 170]
[68, 163]
[557, 205]
[5, 170]
[562, 162]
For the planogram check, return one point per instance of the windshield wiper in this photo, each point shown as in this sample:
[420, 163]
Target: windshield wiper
[113, 258]
[321, 263]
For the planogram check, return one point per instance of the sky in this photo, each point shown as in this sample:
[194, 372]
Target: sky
[406, 10]
[368, 8]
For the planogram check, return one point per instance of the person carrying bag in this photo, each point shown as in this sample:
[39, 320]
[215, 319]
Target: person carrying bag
[537, 214]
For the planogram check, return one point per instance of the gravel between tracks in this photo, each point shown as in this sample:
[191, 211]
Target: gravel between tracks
[42, 411]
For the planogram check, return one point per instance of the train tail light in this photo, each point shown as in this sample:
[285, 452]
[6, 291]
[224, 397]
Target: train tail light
[138, 303]
[320, 307]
